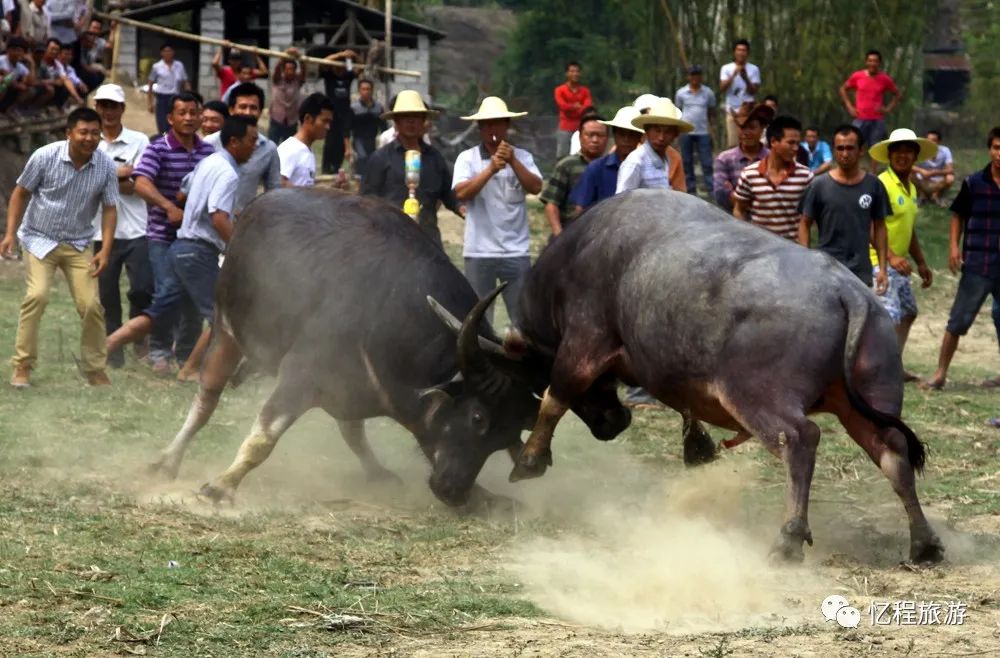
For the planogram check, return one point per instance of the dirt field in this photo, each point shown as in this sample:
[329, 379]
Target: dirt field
[617, 551]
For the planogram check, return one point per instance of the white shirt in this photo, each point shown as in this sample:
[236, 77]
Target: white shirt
[574, 143]
[20, 70]
[496, 224]
[298, 164]
[128, 146]
[213, 188]
[643, 168]
[167, 79]
[737, 93]
[67, 71]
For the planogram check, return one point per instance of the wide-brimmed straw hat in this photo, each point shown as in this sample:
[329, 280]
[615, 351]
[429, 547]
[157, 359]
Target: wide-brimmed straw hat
[493, 107]
[662, 113]
[408, 101]
[748, 111]
[645, 101]
[880, 152]
[623, 119]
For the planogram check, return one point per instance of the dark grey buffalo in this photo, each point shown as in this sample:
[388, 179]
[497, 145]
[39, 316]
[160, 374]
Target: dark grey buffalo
[723, 320]
[329, 293]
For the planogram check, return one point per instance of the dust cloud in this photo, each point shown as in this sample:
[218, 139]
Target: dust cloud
[684, 556]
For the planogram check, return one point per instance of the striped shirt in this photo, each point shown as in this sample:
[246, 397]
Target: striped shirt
[64, 199]
[774, 207]
[213, 188]
[166, 162]
[978, 206]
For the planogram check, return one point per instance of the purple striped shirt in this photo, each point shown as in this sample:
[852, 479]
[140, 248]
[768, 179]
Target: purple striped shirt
[166, 162]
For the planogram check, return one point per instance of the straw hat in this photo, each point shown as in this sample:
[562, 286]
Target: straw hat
[748, 111]
[408, 101]
[623, 119]
[663, 113]
[493, 107]
[880, 152]
[645, 102]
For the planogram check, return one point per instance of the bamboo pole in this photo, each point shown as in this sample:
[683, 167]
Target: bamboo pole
[388, 47]
[116, 33]
[225, 43]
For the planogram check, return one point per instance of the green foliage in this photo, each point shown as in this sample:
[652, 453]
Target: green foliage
[981, 34]
[805, 48]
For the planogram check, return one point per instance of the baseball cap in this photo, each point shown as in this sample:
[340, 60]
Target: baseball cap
[110, 92]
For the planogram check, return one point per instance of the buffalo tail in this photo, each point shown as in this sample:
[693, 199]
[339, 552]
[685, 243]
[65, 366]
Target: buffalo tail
[857, 318]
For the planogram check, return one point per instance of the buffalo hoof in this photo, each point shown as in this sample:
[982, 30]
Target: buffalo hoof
[788, 548]
[926, 550]
[699, 448]
[530, 466]
[484, 501]
[216, 494]
[164, 468]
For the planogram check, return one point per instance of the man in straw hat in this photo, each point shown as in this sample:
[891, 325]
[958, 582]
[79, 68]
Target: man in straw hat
[555, 195]
[901, 151]
[976, 212]
[385, 172]
[600, 179]
[493, 179]
[729, 165]
[656, 163]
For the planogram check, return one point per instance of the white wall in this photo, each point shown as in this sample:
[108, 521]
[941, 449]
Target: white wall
[413, 59]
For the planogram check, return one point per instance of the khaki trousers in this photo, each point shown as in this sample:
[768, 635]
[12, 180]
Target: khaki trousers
[732, 131]
[38, 275]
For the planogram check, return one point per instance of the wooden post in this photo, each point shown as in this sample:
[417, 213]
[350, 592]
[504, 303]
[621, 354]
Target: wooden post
[115, 49]
[388, 50]
[264, 52]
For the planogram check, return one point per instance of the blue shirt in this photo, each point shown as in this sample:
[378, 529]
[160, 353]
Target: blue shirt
[213, 188]
[820, 156]
[598, 181]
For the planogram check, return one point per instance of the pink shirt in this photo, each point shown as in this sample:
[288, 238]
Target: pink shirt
[870, 92]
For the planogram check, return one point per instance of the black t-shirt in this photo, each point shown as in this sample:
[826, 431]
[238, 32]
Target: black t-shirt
[338, 90]
[844, 215]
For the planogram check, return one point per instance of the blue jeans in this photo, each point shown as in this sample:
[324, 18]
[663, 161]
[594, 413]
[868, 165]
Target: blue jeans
[162, 110]
[175, 334]
[485, 274]
[703, 143]
[194, 265]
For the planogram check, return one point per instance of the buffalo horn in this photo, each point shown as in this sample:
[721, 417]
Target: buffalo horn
[472, 359]
[455, 325]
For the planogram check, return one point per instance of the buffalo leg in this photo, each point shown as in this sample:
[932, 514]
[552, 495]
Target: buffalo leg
[699, 448]
[794, 439]
[353, 432]
[222, 358]
[536, 455]
[293, 396]
[887, 448]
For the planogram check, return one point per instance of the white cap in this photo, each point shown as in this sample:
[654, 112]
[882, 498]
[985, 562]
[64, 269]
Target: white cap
[110, 93]
[645, 102]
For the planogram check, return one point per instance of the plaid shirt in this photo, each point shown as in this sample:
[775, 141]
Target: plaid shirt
[729, 165]
[978, 205]
[64, 199]
[562, 181]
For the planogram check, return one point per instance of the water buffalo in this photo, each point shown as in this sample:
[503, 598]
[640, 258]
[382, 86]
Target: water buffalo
[713, 316]
[329, 293]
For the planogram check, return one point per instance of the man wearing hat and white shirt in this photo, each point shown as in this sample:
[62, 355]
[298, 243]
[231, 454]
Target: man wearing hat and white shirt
[385, 171]
[656, 164]
[901, 151]
[493, 180]
[600, 179]
[129, 249]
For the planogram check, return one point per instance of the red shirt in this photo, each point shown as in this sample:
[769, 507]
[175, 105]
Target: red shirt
[870, 93]
[226, 80]
[569, 116]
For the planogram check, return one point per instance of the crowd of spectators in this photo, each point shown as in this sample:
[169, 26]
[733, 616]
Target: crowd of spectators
[52, 56]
